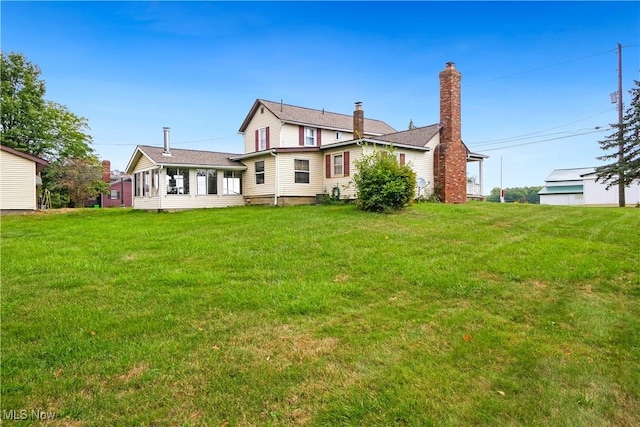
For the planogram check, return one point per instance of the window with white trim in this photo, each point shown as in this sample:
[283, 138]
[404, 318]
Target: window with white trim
[232, 183]
[338, 136]
[146, 183]
[310, 137]
[301, 168]
[177, 181]
[262, 139]
[206, 182]
[260, 172]
[337, 165]
[114, 195]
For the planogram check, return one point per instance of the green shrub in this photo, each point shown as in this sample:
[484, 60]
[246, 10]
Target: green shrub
[382, 185]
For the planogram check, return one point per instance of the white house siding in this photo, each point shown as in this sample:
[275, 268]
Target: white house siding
[17, 182]
[259, 121]
[146, 203]
[595, 193]
[561, 199]
[251, 189]
[286, 171]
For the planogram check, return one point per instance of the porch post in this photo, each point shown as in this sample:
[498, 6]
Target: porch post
[480, 173]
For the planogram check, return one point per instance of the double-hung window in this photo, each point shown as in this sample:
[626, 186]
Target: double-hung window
[337, 165]
[262, 139]
[207, 182]
[260, 172]
[309, 137]
[301, 171]
[177, 181]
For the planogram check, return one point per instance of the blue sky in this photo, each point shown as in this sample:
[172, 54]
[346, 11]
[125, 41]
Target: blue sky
[536, 76]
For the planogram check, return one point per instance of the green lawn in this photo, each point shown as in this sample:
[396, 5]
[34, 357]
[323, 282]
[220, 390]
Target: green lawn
[477, 314]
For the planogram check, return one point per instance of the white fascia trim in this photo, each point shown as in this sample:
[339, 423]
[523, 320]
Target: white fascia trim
[192, 166]
[254, 154]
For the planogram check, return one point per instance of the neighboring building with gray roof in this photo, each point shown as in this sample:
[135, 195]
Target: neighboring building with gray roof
[580, 186]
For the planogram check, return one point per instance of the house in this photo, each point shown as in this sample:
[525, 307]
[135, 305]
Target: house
[20, 175]
[578, 186]
[120, 188]
[294, 154]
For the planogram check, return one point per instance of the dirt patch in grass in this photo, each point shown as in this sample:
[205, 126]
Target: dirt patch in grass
[284, 345]
[134, 372]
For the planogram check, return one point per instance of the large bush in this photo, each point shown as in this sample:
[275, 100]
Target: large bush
[382, 185]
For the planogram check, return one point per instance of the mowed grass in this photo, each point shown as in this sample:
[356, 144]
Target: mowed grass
[477, 314]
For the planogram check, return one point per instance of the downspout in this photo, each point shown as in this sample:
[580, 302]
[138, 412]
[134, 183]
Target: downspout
[275, 190]
[160, 188]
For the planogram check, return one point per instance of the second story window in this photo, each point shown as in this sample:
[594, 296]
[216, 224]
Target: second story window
[262, 139]
[309, 137]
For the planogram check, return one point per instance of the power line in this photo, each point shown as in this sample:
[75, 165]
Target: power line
[133, 144]
[525, 135]
[538, 69]
[545, 140]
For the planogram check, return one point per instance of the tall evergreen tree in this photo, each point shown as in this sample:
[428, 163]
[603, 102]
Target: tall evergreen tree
[625, 169]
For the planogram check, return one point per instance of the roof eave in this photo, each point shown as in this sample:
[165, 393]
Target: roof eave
[367, 141]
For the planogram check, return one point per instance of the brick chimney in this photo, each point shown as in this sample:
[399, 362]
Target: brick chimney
[450, 156]
[358, 121]
[106, 171]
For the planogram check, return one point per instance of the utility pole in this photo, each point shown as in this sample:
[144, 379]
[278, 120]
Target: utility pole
[621, 179]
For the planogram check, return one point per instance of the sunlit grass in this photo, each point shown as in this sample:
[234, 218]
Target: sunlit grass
[478, 314]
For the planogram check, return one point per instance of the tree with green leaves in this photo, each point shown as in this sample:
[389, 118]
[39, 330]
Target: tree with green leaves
[623, 147]
[516, 194]
[76, 180]
[46, 129]
[32, 124]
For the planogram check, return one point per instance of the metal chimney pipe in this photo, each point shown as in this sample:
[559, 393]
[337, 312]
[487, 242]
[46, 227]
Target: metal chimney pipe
[167, 148]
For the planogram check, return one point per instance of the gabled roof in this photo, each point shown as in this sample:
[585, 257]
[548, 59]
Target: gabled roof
[38, 160]
[181, 157]
[317, 118]
[418, 137]
[574, 174]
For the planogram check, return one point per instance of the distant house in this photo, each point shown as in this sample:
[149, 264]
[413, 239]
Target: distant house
[293, 154]
[20, 175]
[579, 187]
[120, 188]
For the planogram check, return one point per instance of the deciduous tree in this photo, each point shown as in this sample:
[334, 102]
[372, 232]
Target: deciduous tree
[32, 124]
[79, 179]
